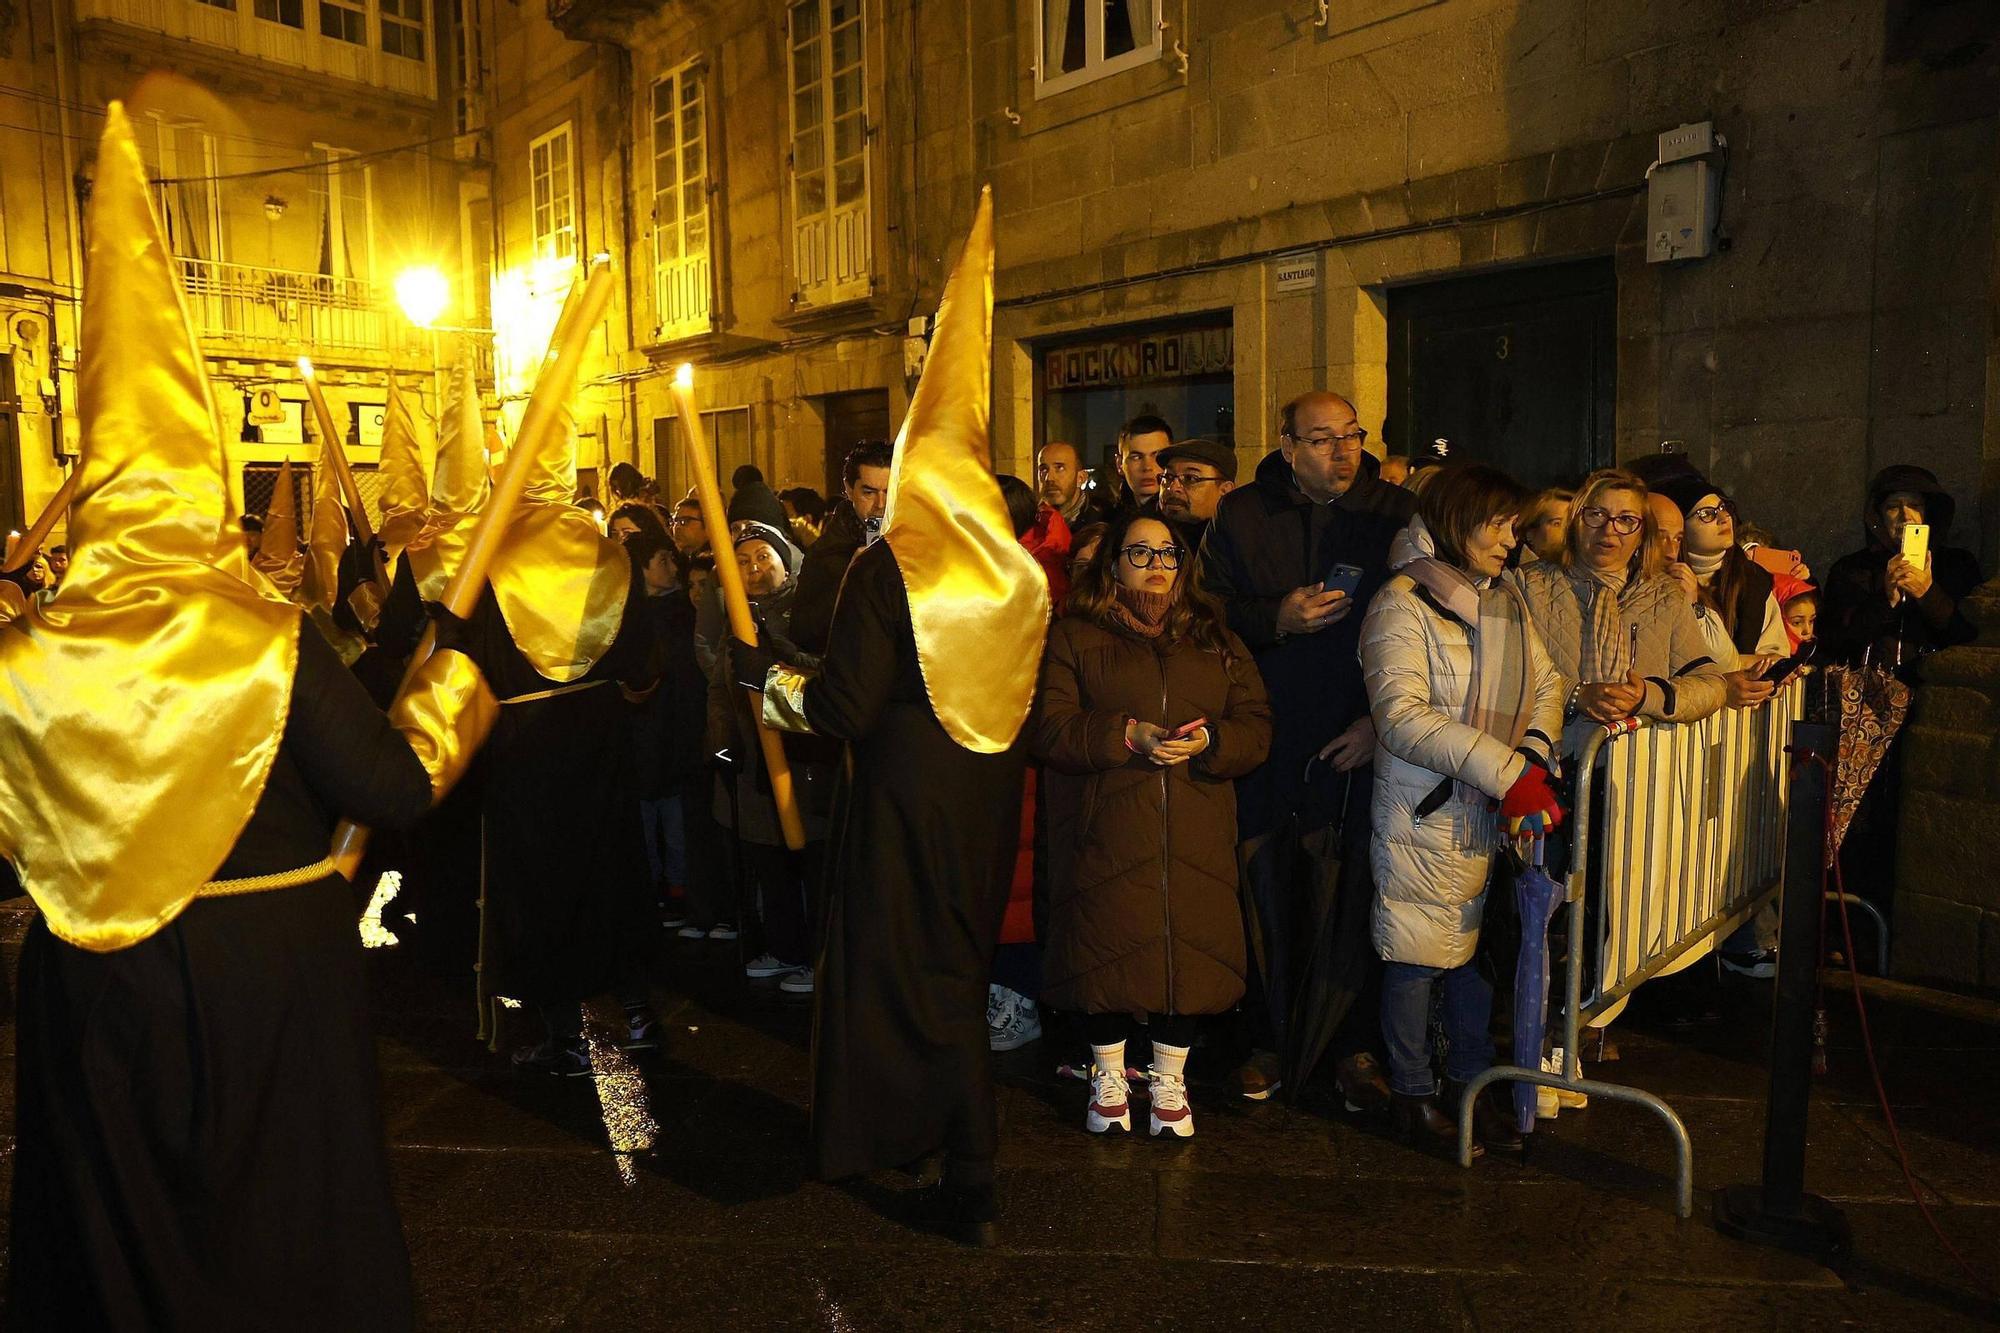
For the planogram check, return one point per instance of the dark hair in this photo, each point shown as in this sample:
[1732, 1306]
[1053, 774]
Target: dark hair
[1021, 502]
[644, 546]
[689, 503]
[868, 453]
[1193, 615]
[1462, 500]
[805, 502]
[1145, 424]
[643, 516]
[626, 481]
[1807, 594]
[1085, 535]
[746, 475]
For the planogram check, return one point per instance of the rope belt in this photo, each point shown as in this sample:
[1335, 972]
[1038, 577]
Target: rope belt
[286, 879]
[558, 690]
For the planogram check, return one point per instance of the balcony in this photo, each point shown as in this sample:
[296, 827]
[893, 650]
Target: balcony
[283, 313]
[233, 27]
[600, 20]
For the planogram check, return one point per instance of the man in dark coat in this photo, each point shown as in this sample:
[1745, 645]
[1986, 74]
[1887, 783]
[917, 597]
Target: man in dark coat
[1269, 554]
[864, 481]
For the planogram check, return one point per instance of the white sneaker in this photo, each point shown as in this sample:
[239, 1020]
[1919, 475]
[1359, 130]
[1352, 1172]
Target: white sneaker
[725, 931]
[1022, 1023]
[692, 932]
[800, 982]
[1171, 1113]
[1548, 1101]
[1110, 1101]
[765, 966]
[996, 1002]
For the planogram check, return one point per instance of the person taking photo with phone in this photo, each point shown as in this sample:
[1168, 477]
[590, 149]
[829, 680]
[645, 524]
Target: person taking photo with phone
[1149, 708]
[1890, 608]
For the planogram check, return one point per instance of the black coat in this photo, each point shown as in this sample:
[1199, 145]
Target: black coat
[1266, 540]
[1856, 621]
[820, 574]
[919, 862]
[199, 1138]
[672, 725]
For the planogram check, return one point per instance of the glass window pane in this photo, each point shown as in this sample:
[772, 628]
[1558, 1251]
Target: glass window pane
[663, 100]
[847, 92]
[669, 241]
[805, 66]
[848, 182]
[811, 195]
[847, 137]
[809, 153]
[844, 11]
[697, 233]
[805, 20]
[693, 197]
[666, 207]
[847, 46]
[805, 109]
[691, 162]
[691, 121]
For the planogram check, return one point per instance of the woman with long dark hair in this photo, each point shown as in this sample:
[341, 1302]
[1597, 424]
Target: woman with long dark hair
[1149, 708]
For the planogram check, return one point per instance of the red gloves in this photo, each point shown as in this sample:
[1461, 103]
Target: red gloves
[1529, 807]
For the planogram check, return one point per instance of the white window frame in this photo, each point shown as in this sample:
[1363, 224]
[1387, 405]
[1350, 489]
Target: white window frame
[683, 283]
[548, 241]
[357, 8]
[833, 250]
[344, 185]
[1095, 65]
[399, 22]
[175, 164]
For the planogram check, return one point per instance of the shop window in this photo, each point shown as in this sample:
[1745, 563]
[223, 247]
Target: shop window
[728, 431]
[681, 272]
[831, 229]
[552, 191]
[403, 28]
[1080, 41]
[342, 22]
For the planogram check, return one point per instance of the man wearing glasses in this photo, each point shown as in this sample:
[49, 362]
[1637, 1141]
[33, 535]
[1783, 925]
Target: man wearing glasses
[1295, 555]
[1196, 474]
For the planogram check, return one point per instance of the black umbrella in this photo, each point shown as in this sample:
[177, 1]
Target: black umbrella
[1332, 893]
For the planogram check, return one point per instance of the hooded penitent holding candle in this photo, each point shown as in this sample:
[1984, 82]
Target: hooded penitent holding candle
[198, 1138]
[928, 676]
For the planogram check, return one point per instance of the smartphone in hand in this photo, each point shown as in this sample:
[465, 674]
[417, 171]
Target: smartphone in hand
[1187, 729]
[1343, 579]
[1917, 543]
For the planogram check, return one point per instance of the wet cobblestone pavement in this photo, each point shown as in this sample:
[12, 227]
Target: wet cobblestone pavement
[669, 1191]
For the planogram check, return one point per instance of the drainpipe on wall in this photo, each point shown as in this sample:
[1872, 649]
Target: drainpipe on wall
[629, 384]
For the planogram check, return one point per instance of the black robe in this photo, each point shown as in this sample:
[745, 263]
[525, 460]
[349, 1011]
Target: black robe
[569, 906]
[918, 868]
[200, 1138]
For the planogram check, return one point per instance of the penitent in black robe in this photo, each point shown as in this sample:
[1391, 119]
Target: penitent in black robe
[200, 1140]
[918, 868]
[569, 904]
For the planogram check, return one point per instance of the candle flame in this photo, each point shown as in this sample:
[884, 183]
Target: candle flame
[684, 377]
[306, 366]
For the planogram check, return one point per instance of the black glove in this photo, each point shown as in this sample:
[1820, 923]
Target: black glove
[750, 663]
[453, 632]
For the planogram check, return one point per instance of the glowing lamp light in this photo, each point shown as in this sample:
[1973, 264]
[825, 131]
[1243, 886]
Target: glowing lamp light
[684, 376]
[422, 293]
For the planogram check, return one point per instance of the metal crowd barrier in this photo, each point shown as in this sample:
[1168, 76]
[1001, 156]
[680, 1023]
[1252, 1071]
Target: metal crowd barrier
[1690, 842]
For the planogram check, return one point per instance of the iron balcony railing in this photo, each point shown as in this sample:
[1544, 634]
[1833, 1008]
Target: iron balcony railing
[284, 309]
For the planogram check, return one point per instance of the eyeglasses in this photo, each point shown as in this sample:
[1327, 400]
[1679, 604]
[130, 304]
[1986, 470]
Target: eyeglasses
[1353, 439]
[1186, 480]
[1596, 516]
[683, 520]
[1713, 513]
[1143, 556]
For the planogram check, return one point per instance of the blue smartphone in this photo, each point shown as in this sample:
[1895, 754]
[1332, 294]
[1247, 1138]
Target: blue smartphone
[1343, 578]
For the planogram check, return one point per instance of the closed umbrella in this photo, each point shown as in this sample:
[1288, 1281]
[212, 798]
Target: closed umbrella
[1332, 897]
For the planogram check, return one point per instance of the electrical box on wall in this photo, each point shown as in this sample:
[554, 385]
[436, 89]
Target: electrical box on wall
[1684, 194]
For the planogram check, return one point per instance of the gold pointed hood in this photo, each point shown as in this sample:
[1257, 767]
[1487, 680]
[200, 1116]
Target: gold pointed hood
[140, 706]
[563, 586]
[406, 499]
[328, 534]
[976, 595]
[278, 556]
[459, 486]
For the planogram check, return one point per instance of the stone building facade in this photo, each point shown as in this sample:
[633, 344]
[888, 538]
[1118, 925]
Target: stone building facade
[308, 153]
[1438, 207]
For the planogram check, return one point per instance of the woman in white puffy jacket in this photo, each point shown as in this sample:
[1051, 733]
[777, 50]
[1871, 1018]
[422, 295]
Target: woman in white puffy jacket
[1466, 708]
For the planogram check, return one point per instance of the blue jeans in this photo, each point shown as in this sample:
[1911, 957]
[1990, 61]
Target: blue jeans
[666, 840]
[1406, 1018]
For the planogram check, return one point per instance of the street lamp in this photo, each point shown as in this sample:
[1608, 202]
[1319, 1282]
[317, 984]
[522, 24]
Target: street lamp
[423, 293]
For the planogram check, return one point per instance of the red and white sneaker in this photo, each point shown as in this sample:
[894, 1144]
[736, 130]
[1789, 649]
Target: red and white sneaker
[1171, 1112]
[1110, 1102]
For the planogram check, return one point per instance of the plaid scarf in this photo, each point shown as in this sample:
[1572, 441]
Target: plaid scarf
[1605, 654]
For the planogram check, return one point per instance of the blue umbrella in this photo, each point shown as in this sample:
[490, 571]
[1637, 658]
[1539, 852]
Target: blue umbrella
[1535, 899]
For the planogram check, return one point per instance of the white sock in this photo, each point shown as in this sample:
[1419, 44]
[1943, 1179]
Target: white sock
[1170, 1060]
[1111, 1059]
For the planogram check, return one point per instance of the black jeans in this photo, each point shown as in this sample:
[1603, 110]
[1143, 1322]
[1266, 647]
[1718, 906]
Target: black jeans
[1163, 1029]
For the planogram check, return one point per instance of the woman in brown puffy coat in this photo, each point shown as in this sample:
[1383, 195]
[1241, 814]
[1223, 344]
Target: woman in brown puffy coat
[1149, 708]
